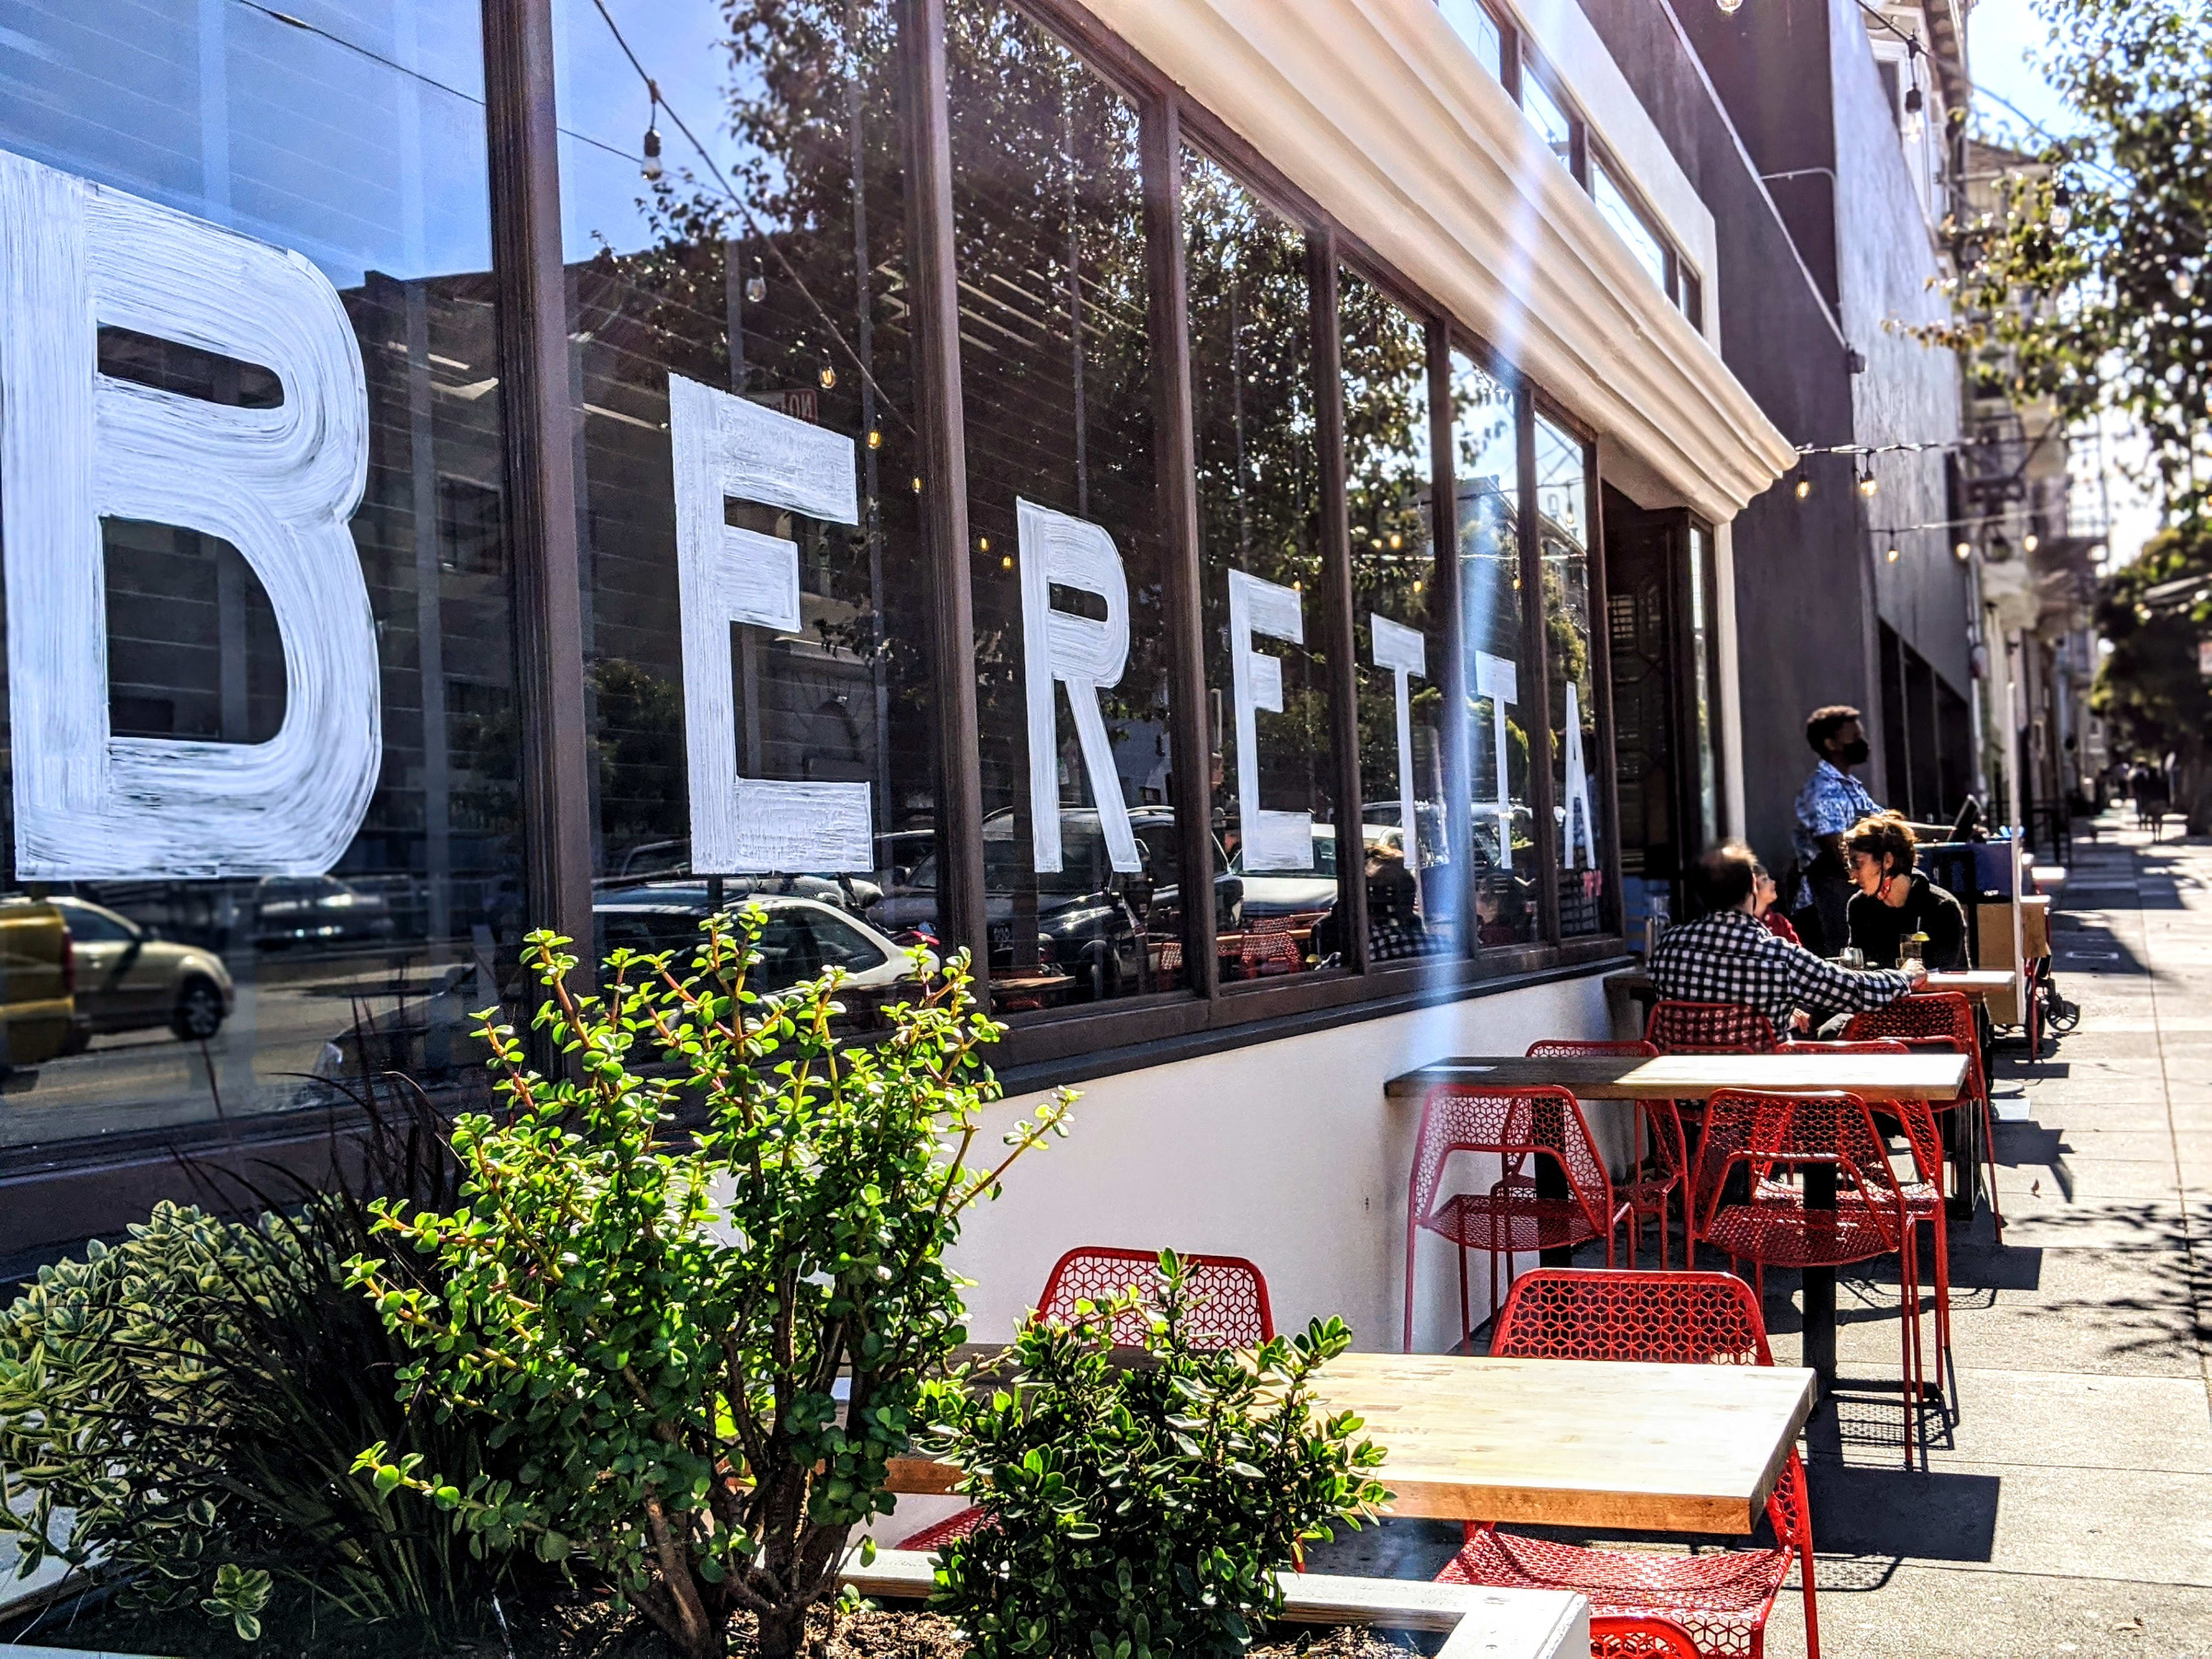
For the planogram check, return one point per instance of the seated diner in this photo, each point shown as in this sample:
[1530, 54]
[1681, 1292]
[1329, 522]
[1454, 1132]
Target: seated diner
[1727, 955]
[1894, 901]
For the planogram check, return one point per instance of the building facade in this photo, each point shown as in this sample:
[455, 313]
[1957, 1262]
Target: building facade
[1001, 470]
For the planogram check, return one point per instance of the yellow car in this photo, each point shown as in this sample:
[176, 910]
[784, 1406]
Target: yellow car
[131, 979]
[36, 1010]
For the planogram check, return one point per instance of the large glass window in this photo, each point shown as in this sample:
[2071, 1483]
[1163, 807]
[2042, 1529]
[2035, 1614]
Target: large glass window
[1548, 115]
[1564, 515]
[1273, 763]
[1472, 22]
[1622, 214]
[1072, 649]
[756, 636]
[1415, 904]
[1704, 717]
[1486, 478]
[300, 862]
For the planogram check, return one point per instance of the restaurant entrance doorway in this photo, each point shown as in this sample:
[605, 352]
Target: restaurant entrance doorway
[1659, 574]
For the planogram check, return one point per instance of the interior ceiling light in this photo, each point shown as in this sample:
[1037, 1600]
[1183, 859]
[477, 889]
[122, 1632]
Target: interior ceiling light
[1729, 8]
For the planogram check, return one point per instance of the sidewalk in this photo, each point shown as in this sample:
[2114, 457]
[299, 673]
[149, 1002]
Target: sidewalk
[2070, 1508]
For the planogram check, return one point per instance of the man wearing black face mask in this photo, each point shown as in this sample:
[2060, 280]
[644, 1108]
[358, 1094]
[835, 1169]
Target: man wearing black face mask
[1831, 801]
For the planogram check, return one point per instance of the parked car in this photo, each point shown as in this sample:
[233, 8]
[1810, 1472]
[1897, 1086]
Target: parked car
[802, 937]
[670, 860]
[290, 911]
[1268, 893]
[37, 973]
[129, 978]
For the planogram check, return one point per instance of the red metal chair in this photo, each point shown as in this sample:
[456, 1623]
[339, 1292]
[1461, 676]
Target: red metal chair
[1720, 1603]
[1662, 1167]
[1772, 1226]
[1929, 1018]
[1923, 1194]
[1516, 1124]
[1230, 1310]
[1641, 1638]
[1709, 1028]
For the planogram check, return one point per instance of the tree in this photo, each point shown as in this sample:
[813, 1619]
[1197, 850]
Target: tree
[2090, 287]
[2151, 692]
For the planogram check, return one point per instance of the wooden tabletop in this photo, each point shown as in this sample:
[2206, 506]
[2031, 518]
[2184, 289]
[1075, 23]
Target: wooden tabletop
[1554, 1441]
[1977, 984]
[1695, 1077]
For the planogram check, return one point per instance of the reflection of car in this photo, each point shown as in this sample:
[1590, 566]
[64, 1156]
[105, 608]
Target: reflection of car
[800, 939]
[129, 979]
[1291, 892]
[36, 972]
[316, 910]
[670, 860]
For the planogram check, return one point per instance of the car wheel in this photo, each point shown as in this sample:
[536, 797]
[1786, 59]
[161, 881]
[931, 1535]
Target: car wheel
[199, 1010]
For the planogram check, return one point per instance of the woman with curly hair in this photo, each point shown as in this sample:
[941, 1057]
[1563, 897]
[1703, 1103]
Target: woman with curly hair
[1894, 901]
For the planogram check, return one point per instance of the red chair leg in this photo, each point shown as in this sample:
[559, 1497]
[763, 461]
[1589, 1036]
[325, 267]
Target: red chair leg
[1989, 1152]
[1465, 1309]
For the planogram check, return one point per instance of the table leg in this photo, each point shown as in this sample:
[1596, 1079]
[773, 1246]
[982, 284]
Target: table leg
[1818, 1285]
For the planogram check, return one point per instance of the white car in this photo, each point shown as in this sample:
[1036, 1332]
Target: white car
[802, 937]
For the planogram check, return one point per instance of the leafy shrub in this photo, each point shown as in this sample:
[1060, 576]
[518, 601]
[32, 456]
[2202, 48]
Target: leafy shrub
[656, 1322]
[1132, 1513]
[195, 1397]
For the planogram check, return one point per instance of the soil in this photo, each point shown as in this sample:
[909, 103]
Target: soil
[580, 1631]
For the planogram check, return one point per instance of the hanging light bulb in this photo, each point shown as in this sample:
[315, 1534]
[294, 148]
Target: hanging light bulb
[1804, 485]
[875, 439]
[1868, 485]
[1891, 555]
[1729, 8]
[651, 166]
[2030, 542]
[983, 544]
[828, 377]
[1963, 551]
[1396, 542]
[756, 288]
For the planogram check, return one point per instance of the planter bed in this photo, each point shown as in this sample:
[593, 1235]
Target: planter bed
[1475, 1623]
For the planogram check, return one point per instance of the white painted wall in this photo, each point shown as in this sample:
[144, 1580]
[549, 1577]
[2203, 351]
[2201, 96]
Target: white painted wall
[1285, 1152]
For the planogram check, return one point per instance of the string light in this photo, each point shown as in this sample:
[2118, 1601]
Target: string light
[1963, 551]
[756, 288]
[1867, 482]
[875, 439]
[984, 543]
[651, 166]
[2031, 541]
[1804, 485]
[1891, 555]
[828, 377]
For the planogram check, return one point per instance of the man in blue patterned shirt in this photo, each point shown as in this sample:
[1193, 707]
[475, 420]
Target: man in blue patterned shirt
[1831, 801]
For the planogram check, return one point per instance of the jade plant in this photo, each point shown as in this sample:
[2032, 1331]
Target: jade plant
[701, 1302]
[1139, 1511]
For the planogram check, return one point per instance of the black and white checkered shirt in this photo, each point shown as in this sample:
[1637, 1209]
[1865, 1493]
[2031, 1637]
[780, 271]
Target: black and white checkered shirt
[1730, 957]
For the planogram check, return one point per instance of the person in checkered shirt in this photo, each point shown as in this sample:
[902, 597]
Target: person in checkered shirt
[1727, 955]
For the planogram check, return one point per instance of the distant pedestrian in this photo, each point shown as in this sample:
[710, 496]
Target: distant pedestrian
[2157, 798]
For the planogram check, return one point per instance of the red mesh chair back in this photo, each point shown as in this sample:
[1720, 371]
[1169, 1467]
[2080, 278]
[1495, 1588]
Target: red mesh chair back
[1927, 1017]
[1919, 1121]
[1662, 1318]
[1229, 1295]
[1515, 1124]
[1669, 1319]
[1764, 1130]
[1649, 1638]
[1709, 1028]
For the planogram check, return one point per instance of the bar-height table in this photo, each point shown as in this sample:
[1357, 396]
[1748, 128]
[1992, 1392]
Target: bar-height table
[1873, 1077]
[1555, 1442]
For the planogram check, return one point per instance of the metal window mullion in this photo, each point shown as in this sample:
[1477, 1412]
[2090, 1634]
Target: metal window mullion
[521, 141]
[1175, 458]
[944, 478]
[1335, 585]
[1601, 649]
[1536, 689]
[1458, 781]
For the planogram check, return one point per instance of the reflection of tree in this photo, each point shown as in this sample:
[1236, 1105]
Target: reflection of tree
[638, 751]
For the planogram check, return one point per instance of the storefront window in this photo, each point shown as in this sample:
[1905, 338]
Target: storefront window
[1260, 564]
[1415, 903]
[1703, 640]
[1071, 648]
[1563, 521]
[273, 799]
[757, 638]
[1485, 477]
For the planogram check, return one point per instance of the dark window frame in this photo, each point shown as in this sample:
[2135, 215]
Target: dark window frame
[522, 164]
